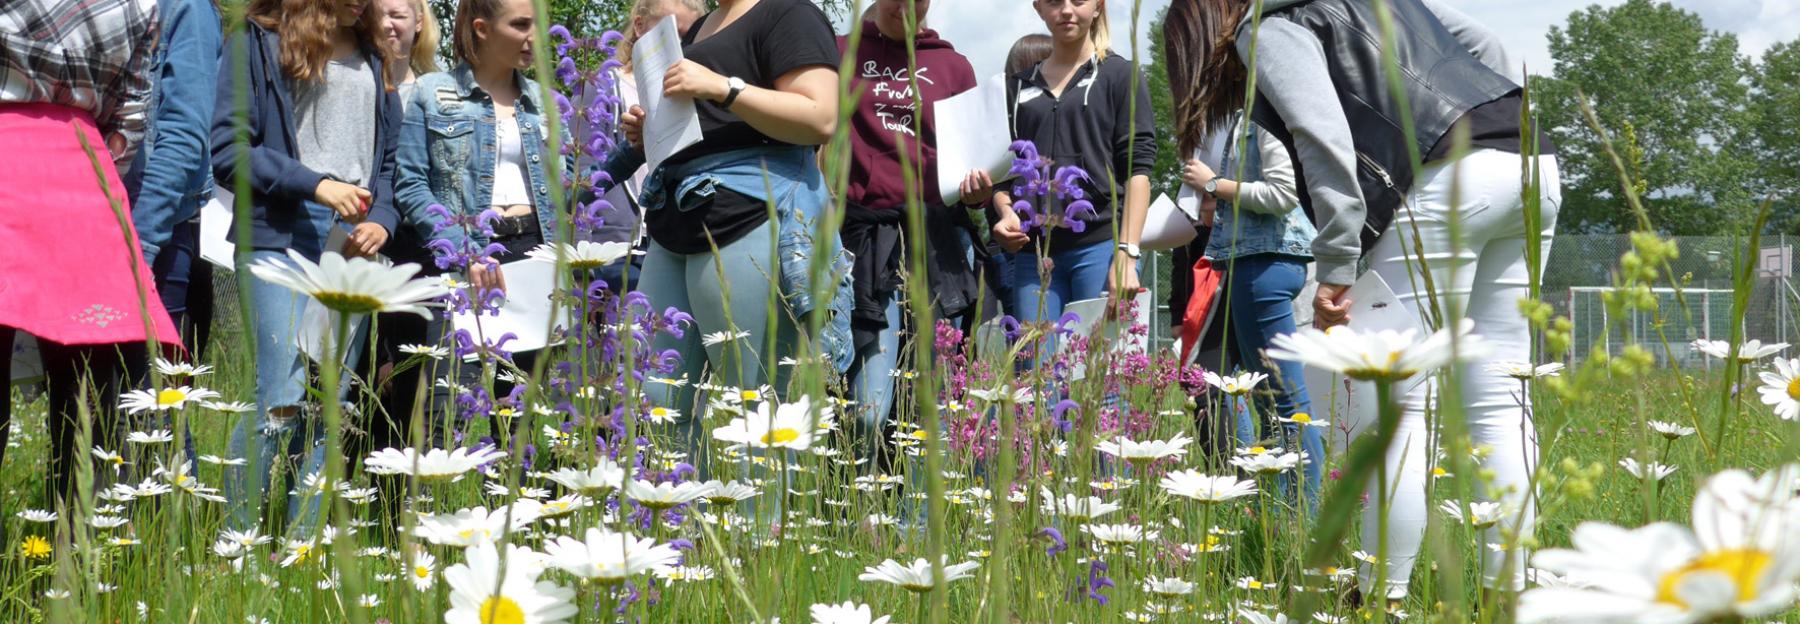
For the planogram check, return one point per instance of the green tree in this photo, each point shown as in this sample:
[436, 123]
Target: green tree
[1775, 111]
[1669, 89]
[1167, 175]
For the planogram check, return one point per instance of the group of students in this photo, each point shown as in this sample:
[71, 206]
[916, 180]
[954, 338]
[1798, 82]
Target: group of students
[351, 125]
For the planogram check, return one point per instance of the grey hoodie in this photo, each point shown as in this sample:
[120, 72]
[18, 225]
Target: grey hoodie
[1291, 73]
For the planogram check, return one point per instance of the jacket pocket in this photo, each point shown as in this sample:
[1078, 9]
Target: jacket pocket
[451, 139]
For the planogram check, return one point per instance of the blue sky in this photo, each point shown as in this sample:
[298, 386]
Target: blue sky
[984, 29]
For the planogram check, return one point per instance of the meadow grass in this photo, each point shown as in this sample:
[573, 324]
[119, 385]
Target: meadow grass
[828, 539]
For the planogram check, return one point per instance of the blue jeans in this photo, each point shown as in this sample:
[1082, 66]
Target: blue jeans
[741, 302]
[872, 385]
[1263, 288]
[280, 427]
[1075, 274]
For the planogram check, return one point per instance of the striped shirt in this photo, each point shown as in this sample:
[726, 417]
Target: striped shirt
[92, 55]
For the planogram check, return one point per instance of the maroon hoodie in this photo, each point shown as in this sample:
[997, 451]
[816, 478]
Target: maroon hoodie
[885, 111]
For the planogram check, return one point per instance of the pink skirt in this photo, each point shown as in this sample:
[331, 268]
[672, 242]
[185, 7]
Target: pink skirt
[66, 264]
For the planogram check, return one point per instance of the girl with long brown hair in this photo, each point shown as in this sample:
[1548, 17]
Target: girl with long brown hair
[1321, 89]
[323, 124]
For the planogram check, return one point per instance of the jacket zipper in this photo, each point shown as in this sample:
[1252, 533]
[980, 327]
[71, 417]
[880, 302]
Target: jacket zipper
[1379, 172]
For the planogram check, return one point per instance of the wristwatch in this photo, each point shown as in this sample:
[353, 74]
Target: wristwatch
[735, 86]
[1212, 186]
[1132, 250]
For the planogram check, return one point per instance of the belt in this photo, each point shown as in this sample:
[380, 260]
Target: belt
[512, 227]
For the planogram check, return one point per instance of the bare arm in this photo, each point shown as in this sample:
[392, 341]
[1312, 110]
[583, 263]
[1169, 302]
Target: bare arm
[801, 109]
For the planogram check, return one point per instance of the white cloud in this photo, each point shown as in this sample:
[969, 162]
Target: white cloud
[984, 30]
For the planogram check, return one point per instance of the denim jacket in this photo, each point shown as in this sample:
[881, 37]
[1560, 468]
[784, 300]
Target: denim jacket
[789, 176]
[171, 176]
[447, 153]
[1267, 217]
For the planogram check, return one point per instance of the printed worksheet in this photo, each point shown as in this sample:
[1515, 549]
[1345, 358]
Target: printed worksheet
[670, 124]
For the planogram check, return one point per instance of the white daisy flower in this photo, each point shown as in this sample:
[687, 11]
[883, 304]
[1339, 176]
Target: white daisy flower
[354, 286]
[1740, 561]
[1781, 388]
[520, 598]
[434, 465]
[1670, 431]
[582, 254]
[609, 558]
[847, 613]
[660, 496]
[180, 370]
[1206, 489]
[1235, 385]
[1751, 351]
[1075, 508]
[1140, 452]
[476, 525]
[429, 351]
[1654, 471]
[1524, 370]
[1482, 514]
[721, 337]
[1378, 356]
[1118, 534]
[1168, 587]
[595, 482]
[138, 401]
[915, 577]
[790, 426]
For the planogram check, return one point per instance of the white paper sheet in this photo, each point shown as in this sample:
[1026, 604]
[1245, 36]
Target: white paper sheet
[526, 311]
[1350, 405]
[973, 132]
[215, 228]
[1164, 229]
[670, 124]
[215, 224]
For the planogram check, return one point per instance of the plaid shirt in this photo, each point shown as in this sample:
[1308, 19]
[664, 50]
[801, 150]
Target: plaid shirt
[94, 55]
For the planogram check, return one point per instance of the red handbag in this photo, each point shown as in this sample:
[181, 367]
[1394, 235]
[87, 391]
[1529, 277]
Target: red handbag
[1202, 303]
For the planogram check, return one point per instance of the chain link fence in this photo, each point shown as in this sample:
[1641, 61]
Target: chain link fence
[1697, 306]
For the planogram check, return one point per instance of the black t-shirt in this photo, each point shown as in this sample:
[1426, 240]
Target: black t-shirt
[1494, 125]
[771, 39]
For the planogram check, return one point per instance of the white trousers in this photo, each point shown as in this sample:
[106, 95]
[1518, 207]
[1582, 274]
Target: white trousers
[1482, 275]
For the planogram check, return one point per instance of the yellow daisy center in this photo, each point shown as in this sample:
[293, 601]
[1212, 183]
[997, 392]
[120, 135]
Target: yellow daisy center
[1742, 565]
[170, 396]
[1438, 471]
[421, 571]
[1794, 388]
[1257, 450]
[1302, 418]
[1254, 584]
[501, 610]
[781, 436]
[659, 412]
[750, 395]
[352, 303]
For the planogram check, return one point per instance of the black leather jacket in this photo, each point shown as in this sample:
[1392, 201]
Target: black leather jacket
[1440, 79]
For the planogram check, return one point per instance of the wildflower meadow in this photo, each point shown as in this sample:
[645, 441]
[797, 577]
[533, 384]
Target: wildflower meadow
[1038, 473]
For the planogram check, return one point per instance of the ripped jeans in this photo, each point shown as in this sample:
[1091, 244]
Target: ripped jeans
[297, 436]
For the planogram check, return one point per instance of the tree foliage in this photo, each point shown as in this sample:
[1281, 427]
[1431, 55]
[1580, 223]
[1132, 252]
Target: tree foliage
[1706, 132]
[1666, 89]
